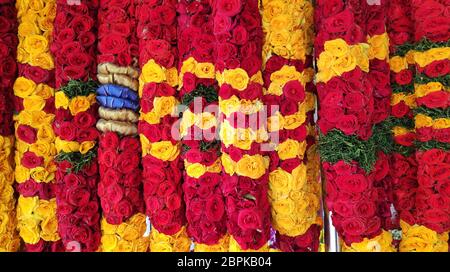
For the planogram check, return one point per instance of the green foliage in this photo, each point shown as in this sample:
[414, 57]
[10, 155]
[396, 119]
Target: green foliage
[433, 113]
[76, 159]
[207, 92]
[76, 88]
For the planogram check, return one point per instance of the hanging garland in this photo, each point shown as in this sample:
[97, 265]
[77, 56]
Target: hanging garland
[35, 138]
[432, 117]
[294, 195]
[403, 163]
[238, 44]
[346, 107]
[163, 196]
[76, 114]
[205, 204]
[9, 238]
[120, 187]
[379, 76]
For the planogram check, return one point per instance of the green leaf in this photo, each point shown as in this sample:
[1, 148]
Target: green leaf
[76, 88]
[76, 159]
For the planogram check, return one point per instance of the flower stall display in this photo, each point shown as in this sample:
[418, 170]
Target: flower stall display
[294, 188]
[161, 151]
[9, 238]
[34, 91]
[77, 203]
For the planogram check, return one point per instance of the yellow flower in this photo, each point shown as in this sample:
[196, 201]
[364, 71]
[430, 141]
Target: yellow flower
[24, 87]
[43, 60]
[425, 58]
[338, 48]
[164, 105]
[205, 70]
[379, 46]
[44, 91]
[361, 53]
[398, 131]
[252, 166]
[21, 173]
[285, 74]
[66, 146]
[46, 134]
[422, 239]
[164, 151]
[189, 66]
[150, 117]
[41, 175]
[422, 121]
[153, 72]
[422, 90]
[398, 64]
[79, 104]
[172, 76]
[61, 100]
[280, 183]
[230, 105]
[295, 120]
[27, 28]
[35, 44]
[109, 242]
[27, 205]
[441, 123]
[344, 64]
[195, 170]
[279, 37]
[272, 9]
[290, 149]
[229, 165]
[380, 243]
[86, 146]
[221, 246]
[237, 78]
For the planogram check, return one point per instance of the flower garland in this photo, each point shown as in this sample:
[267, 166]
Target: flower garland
[9, 238]
[205, 204]
[238, 44]
[403, 163]
[294, 196]
[120, 186]
[379, 77]
[77, 175]
[157, 33]
[346, 110]
[35, 139]
[432, 116]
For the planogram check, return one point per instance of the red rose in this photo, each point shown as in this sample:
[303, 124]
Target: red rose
[353, 226]
[114, 193]
[31, 160]
[228, 8]
[288, 107]
[348, 124]
[81, 24]
[354, 101]
[79, 59]
[215, 208]
[109, 140]
[112, 44]
[77, 196]
[437, 68]
[128, 161]
[124, 208]
[365, 208]
[225, 51]
[26, 134]
[36, 74]
[404, 77]
[130, 144]
[240, 35]
[253, 91]
[249, 219]
[108, 158]
[355, 183]
[89, 134]
[173, 202]
[343, 208]
[400, 110]
[432, 156]
[294, 91]
[339, 23]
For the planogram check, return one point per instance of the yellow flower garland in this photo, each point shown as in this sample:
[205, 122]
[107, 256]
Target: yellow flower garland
[422, 239]
[36, 217]
[9, 239]
[381, 243]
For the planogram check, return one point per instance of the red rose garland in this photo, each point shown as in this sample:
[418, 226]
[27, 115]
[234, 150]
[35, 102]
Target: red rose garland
[379, 77]
[432, 117]
[238, 43]
[403, 165]
[9, 238]
[288, 83]
[157, 33]
[120, 186]
[76, 113]
[346, 106]
[35, 137]
[205, 204]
